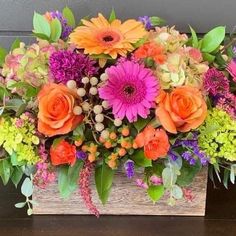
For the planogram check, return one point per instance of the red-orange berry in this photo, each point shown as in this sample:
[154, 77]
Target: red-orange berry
[112, 136]
[125, 131]
[122, 152]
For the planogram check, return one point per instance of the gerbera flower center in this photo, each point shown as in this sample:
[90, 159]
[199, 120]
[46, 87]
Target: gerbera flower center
[129, 90]
[108, 37]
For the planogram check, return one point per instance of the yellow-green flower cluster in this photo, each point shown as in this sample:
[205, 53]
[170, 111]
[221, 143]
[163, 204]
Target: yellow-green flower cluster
[217, 136]
[18, 136]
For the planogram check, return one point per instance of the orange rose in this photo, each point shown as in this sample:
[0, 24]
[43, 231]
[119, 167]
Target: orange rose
[63, 153]
[181, 110]
[154, 141]
[56, 103]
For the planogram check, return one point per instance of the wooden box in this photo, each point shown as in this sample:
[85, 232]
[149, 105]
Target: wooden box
[125, 199]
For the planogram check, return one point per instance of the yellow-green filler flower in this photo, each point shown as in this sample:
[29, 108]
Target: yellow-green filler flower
[18, 136]
[217, 136]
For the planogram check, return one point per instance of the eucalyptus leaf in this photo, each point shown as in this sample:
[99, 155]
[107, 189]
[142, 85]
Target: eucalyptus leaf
[155, 192]
[177, 192]
[29, 211]
[20, 204]
[169, 177]
[103, 179]
[27, 187]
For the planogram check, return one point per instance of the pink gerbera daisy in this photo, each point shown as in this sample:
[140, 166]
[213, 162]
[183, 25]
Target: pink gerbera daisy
[130, 90]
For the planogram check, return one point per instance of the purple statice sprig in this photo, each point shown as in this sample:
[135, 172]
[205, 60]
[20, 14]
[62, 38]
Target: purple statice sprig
[129, 168]
[191, 152]
[81, 155]
[66, 28]
[146, 20]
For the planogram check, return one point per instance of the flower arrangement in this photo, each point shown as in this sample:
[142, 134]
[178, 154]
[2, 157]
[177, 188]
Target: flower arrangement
[109, 94]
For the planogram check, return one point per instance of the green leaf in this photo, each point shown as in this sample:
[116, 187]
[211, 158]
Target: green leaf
[20, 204]
[41, 36]
[194, 38]
[103, 179]
[68, 14]
[68, 178]
[187, 173]
[226, 177]
[79, 131]
[213, 39]
[208, 57]
[155, 192]
[30, 91]
[16, 105]
[16, 176]
[27, 187]
[15, 44]
[177, 192]
[3, 53]
[5, 170]
[56, 30]
[41, 25]
[169, 177]
[112, 15]
[3, 92]
[29, 211]
[102, 55]
[232, 174]
[139, 158]
[156, 21]
[141, 123]
[140, 42]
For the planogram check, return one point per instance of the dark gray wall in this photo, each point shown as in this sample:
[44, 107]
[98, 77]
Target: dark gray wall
[16, 15]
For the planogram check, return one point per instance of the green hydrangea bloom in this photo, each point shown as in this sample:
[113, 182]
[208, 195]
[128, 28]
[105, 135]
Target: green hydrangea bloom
[18, 136]
[217, 136]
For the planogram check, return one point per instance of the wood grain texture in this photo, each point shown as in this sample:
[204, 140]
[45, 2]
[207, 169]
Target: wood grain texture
[125, 199]
[16, 15]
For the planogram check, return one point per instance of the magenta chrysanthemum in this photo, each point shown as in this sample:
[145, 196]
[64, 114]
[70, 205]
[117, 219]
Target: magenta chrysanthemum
[130, 90]
[215, 82]
[67, 65]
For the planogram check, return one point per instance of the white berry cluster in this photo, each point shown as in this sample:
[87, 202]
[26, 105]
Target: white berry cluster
[90, 89]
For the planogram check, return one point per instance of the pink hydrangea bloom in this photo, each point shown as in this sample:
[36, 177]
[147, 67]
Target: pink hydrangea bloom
[130, 90]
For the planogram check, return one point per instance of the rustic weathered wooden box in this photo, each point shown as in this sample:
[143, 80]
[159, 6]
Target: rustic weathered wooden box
[125, 199]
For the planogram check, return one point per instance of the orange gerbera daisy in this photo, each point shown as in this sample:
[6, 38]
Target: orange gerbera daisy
[99, 36]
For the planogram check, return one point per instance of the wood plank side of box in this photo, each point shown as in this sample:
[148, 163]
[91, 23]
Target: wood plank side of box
[125, 199]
